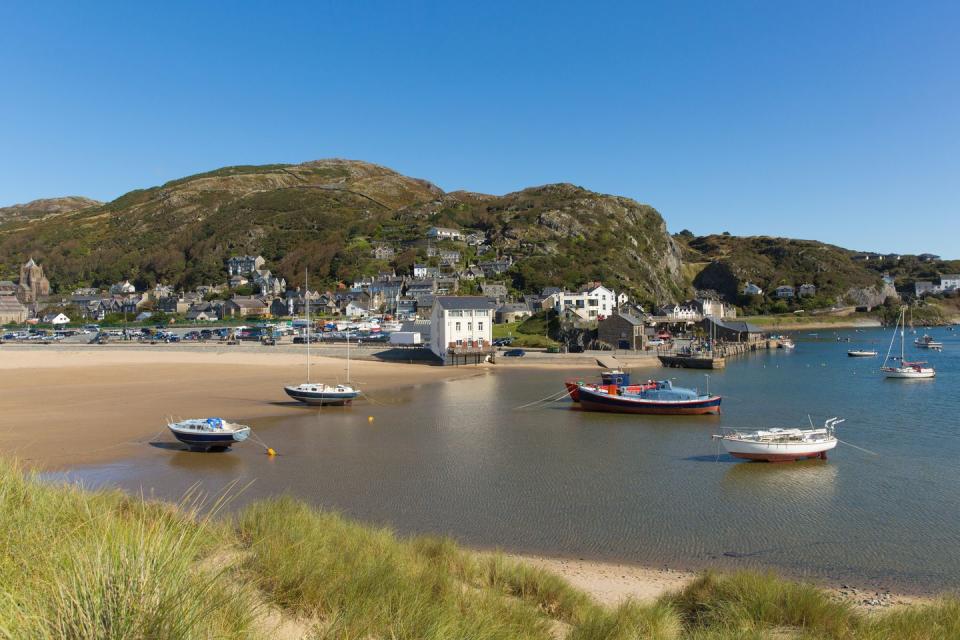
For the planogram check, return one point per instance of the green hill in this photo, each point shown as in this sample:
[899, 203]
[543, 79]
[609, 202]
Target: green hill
[327, 215]
[45, 208]
[729, 262]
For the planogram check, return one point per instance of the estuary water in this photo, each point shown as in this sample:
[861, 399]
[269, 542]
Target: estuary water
[459, 458]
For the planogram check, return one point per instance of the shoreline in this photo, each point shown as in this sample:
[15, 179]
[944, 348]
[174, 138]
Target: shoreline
[75, 392]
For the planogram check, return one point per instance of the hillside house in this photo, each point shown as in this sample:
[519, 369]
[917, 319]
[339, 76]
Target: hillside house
[511, 312]
[422, 271]
[622, 331]
[122, 288]
[461, 329]
[444, 233]
[590, 303]
[237, 281]
[750, 289]
[495, 291]
[784, 291]
[950, 282]
[244, 265]
[475, 238]
[928, 257]
[807, 290]
[685, 312]
[493, 268]
[922, 288]
[383, 252]
[449, 257]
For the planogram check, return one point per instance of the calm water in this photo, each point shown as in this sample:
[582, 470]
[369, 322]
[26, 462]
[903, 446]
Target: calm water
[457, 458]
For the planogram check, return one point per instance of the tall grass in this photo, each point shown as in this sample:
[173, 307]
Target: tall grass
[75, 564]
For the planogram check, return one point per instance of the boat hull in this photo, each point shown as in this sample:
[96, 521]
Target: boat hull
[609, 403]
[777, 452]
[321, 398]
[206, 441]
[861, 354]
[897, 374]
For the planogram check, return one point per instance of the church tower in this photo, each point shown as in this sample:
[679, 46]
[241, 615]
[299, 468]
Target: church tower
[33, 284]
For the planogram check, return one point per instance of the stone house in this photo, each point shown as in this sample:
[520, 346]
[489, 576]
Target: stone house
[622, 331]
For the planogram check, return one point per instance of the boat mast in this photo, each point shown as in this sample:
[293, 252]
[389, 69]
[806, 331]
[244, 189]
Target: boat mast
[306, 301]
[903, 330]
[348, 356]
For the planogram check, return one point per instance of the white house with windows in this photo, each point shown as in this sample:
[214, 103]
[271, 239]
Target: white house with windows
[460, 324]
[785, 291]
[751, 289]
[950, 282]
[56, 319]
[590, 303]
[681, 312]
[444, 233]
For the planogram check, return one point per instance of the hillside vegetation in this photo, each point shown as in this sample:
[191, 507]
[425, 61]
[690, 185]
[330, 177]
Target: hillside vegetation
[729, 262]
[327, 215]
[109, 566]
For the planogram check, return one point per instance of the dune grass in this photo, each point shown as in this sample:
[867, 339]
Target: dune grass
[80, 564]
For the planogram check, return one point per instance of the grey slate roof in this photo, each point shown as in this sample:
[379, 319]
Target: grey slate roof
[463, 302]
[737, 325]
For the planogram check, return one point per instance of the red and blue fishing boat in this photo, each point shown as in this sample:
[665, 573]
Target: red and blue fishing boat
[652, 397]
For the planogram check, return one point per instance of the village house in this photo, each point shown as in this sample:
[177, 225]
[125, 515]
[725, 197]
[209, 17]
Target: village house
[784, 291]
[237, 281]
[511, 312]
[949, 282]
[122, 288]
[12, 311]
[204, 312]
[356, 309]
[496, 291]
[269, 284]
[383, 252]
[243, 306]
[461, 328]
[922, 288]
[406, 308]
[928, 257]
[444, 233]
[622, 331]
[685, 312]
[807, 290]
[493, 268]
[56, 319]
[472, 272]
[592, 302]
[750, 289]
[244, 265]
[475, 238]
[712, 308]
[422, 271]
[449, 257]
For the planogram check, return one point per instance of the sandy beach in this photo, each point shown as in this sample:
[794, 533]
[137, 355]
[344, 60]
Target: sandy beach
[64, 406]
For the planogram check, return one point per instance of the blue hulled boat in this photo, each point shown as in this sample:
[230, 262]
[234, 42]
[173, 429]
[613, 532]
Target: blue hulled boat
[202, 434]
[656, 397]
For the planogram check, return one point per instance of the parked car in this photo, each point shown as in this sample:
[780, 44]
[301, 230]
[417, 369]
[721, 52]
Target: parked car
[515, 353]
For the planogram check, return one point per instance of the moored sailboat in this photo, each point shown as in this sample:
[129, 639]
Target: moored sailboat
[906, 370]
[781, 445]
[319, 394]
[202, 434]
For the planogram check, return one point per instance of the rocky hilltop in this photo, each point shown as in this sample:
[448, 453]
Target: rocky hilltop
[45, 208]
[326, 216]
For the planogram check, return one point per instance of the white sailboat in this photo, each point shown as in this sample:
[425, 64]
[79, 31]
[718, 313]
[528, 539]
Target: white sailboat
[318, 394]
[905, 370]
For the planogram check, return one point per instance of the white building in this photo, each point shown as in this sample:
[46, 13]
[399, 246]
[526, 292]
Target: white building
[785, 291]
[589, 303]
[807, 290]
[751, 289]
[56, 319]
[444, 233]
[355, 309]
[244, 265]
[460, 323]
[681, 312]
[122, 288]
[950, 282]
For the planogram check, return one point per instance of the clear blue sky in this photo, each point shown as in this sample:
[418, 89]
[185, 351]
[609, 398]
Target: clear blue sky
[833, 121]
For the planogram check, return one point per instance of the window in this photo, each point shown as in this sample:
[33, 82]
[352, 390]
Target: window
[458, 326]
[479, 326]
[456, 313]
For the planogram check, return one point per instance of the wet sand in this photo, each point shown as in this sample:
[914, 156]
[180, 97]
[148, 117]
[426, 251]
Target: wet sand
[63, 407]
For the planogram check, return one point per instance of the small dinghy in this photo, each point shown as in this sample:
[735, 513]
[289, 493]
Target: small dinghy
[208, 434]
[861, 353]
[781, 445]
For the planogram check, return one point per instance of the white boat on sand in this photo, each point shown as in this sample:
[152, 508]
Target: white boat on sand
[781, 445]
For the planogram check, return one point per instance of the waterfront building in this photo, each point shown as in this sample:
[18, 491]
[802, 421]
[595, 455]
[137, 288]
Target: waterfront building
[622, 331]
[461, 328]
